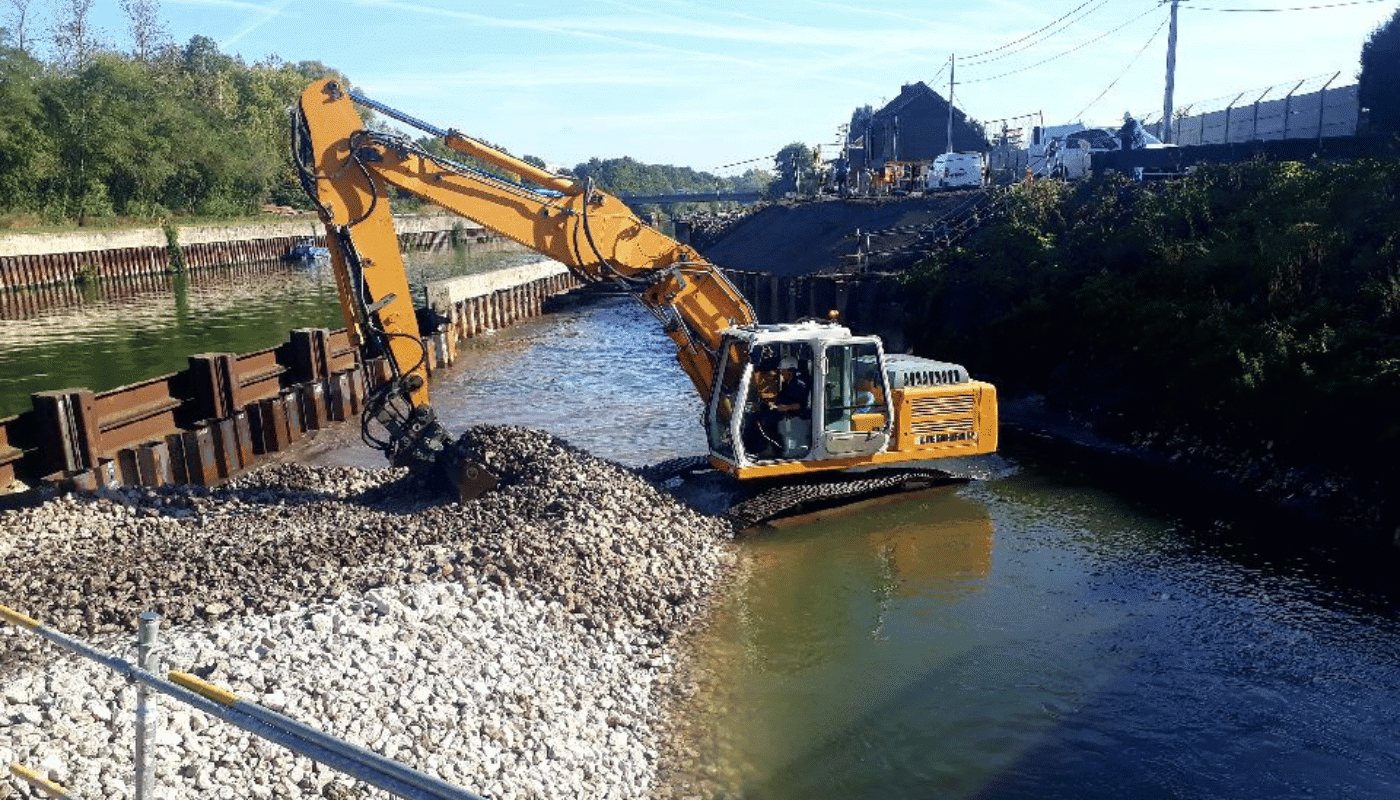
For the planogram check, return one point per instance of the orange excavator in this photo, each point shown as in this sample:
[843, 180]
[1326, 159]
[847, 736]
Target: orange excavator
[859, 407]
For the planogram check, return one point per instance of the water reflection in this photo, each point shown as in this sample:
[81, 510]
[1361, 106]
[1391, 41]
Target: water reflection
[831, 636]
[1090, 654]
[122, 332]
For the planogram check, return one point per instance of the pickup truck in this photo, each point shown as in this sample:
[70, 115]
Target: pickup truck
[1069, 157]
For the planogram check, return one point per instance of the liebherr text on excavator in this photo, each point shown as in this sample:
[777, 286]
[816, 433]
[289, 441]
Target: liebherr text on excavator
[863, 407]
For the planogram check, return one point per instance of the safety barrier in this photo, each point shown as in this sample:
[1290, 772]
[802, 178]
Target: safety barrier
[1328, 112]
[215, 419]
[357, 762]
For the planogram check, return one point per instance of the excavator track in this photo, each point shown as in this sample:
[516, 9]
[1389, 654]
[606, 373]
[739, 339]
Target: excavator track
[817, 494]
[749, 507]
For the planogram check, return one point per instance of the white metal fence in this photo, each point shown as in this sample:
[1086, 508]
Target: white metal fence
[1285, 111]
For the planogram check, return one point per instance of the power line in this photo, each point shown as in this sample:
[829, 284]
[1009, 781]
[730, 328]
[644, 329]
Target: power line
[977, 58]
[941, 70]
[969, 61]
[746, 161]
[1076, 48]
[1129, 66]
[1032, 33]
[1294, 8]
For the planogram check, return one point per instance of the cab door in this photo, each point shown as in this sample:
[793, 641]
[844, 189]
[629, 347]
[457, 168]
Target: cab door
[856, 409]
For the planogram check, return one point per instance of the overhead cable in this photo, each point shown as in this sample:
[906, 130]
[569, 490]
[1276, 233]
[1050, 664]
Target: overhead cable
[746, 161]
[1127, 67]
[1067, 52]
[941, 70]
[1276, 10]
[1032, 33]
[1030, 44]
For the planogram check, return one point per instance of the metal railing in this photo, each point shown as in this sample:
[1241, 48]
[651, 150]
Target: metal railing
[352, 760]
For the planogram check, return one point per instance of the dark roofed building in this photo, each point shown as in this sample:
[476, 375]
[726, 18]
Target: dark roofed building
[912, 127]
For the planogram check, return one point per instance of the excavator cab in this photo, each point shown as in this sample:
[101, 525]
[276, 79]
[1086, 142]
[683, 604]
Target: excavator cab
[845, 410]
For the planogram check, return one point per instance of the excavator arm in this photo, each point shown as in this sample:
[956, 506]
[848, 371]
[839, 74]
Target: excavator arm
[348, 168]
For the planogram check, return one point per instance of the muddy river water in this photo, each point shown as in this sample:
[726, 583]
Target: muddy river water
[1026, 635]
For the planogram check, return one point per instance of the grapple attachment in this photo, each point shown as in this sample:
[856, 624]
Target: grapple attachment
[469, 477]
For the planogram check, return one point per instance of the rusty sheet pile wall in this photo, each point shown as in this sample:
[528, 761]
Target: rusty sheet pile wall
[218, 416]
[28, 261]
[866, 303]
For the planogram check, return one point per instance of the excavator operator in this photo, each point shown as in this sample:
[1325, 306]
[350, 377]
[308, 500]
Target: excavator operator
[794, 399]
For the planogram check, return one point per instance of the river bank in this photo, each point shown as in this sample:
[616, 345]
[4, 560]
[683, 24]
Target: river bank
[1301, 506]
[30, 260]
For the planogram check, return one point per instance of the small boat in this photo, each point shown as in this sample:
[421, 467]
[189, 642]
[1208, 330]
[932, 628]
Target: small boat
[306, 250]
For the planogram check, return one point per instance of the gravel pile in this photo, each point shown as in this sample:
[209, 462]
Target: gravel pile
[513, 645]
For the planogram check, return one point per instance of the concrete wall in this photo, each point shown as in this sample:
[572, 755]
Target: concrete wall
[38, 244]
[35, 260]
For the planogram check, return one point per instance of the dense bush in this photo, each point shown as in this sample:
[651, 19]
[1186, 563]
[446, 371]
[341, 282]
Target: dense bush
[1256, 304]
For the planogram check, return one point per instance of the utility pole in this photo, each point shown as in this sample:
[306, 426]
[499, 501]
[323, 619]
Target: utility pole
[1171, 79]
[951, 66]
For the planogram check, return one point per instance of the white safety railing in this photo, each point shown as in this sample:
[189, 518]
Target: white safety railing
[357, 762]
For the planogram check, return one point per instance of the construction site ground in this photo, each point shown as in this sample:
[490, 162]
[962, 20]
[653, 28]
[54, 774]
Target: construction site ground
[823, 235]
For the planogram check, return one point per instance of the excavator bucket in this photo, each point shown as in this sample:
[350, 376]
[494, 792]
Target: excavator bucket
[469, 478]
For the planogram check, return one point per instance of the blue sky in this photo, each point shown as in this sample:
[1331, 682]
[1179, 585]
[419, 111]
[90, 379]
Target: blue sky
[708, 84]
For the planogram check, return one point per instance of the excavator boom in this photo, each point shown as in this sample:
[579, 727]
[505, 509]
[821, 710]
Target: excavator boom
[596, 235]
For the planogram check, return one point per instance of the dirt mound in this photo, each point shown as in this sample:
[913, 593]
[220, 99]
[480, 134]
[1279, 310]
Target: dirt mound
[804, 238]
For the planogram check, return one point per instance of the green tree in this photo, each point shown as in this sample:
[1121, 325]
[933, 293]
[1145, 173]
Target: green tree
[1380, 75]
[797, 172]
[26, 148]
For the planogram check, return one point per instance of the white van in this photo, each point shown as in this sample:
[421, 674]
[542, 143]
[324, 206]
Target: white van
[956, 170]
